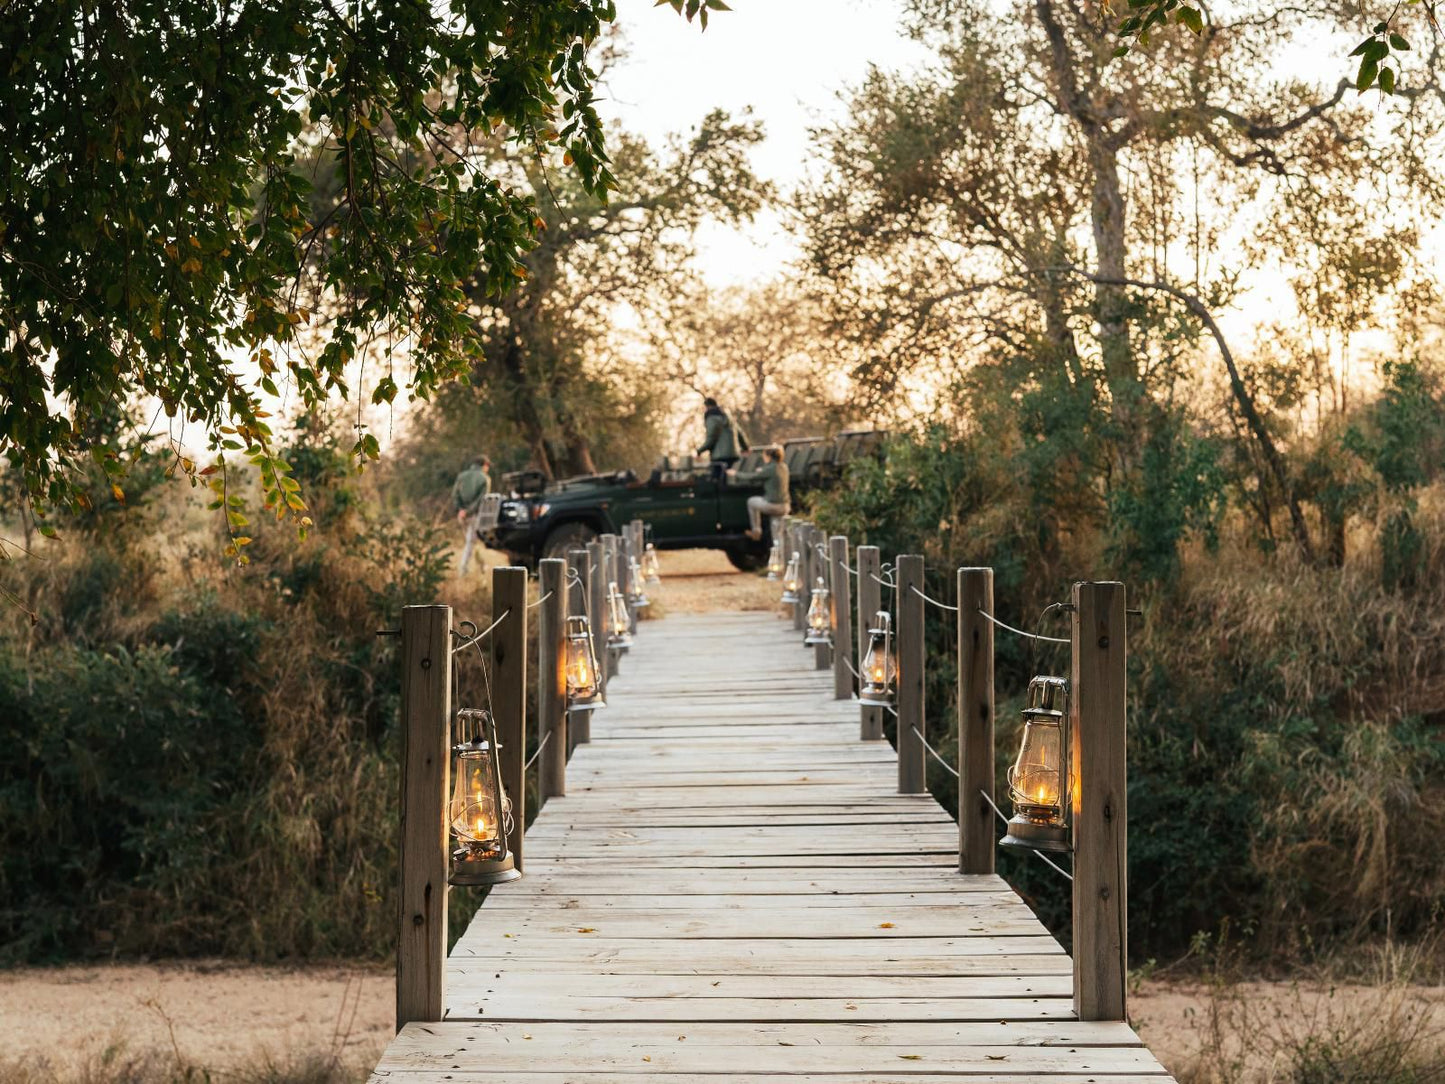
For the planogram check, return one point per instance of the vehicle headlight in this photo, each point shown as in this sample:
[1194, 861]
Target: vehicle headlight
[540, 510]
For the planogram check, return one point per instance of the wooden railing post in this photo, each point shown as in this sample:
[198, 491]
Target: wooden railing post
[626, 552]
[508, 644]
[912, 776]
[805, 589]
[842, 617]
[426, 709]
[595, 584]
[552, 676]
[1098, 733]
[870, 600]
[976, 830]
[822, 653]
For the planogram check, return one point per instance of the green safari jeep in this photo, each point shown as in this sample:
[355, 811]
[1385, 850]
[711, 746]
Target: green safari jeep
[683, 504]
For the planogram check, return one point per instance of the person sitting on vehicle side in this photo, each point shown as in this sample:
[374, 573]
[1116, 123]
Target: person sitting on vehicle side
[773, 475]
[722, 439]
[472, 484]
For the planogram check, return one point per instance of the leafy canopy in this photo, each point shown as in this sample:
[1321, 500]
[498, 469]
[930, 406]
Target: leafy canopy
[206, 203]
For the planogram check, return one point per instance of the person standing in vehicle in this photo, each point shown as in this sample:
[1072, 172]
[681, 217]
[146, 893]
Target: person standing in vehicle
[773, 475]
[722, 440]
[472, 484]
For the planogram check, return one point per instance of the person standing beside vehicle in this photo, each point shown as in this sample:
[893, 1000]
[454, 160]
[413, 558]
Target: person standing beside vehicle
[468, 491]
[723, 441]
[773, 475]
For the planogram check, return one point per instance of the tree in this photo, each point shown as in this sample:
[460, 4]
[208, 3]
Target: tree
[155, 225]
[1039, 201]
[549, 348]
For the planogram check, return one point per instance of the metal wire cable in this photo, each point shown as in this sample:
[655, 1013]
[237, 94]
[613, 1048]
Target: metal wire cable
[538, 751]
[544, 598]
[1020, 632]
[932, 601]
[476, 637]
[851, 668]
[1059, 869]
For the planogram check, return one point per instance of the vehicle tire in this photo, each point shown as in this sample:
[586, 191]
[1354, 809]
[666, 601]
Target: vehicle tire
[567, 536]
[746, 560]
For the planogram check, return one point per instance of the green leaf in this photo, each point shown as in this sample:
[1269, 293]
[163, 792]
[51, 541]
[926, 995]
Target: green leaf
[1191, 18]
[1365, 78]
[1399, 42]
[1359, 50]
[1387, 80]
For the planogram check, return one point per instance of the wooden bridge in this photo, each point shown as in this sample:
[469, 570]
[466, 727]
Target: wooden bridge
[732, 886]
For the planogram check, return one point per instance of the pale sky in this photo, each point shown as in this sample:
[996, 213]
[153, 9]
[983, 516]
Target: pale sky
[785, 59]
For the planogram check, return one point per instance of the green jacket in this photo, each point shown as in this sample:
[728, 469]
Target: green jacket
[720, 440]
[774, 477]
[470, 487]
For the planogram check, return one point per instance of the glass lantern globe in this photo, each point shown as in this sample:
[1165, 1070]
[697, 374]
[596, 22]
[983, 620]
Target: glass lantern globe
[820, 617]
[637, 596]
[619, 635]
[1038, 781]
[775, 561]
[584, 690]
[793, 579]
[651, 567]
[879, 673]
[479, 811]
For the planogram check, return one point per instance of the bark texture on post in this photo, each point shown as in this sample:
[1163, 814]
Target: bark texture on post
[595, 578]
[977, 833]
[508, 649]
[842, 618]
[870, 601]
[1098, 717]
[912, 767]
[426, 709]
[552, 676]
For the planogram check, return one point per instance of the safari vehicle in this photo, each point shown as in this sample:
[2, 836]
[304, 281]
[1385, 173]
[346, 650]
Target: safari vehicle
[683, 504]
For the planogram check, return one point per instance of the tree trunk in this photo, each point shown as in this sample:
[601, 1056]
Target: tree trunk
[1112, 301]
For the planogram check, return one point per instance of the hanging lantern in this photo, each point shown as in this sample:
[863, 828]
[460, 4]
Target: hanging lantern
[1038, 782]
[819, 617]
[634, 582]
[879, 674]
[775, 561]
[619, 634]
[792, 579]
[480, 811]
[651, 567]
[584, 691]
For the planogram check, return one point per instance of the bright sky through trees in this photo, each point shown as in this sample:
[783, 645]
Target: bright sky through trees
[785, 59]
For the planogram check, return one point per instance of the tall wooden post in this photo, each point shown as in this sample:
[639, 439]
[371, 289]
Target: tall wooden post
[626, 551]
[508, 644]
[786, 550]
[805, 588]
[842, 617]
[596, 592]
[426, 709]
[552, 676]
[1098, 733]
[976, 830]
[912, 769]
[870, 601]
[608, 576]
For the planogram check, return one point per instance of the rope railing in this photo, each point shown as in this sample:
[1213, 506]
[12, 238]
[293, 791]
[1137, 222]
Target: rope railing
[537, 752]
[466, 640]
[932, 601]
[945, 765]
[538, 602]
[1020, 632]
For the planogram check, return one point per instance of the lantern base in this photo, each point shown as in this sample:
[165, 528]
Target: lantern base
[467, 870]
[813, 639]
[790, 598]
[875, 700]
[1033, 836]
[592, 703]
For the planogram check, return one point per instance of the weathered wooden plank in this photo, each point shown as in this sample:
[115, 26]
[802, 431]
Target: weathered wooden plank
[892, 1076]
[469, 982]
[738, 1010]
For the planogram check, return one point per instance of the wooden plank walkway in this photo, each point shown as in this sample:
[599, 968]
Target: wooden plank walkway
[732, 888]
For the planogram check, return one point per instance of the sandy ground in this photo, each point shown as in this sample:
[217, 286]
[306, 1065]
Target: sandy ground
[696, 581]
